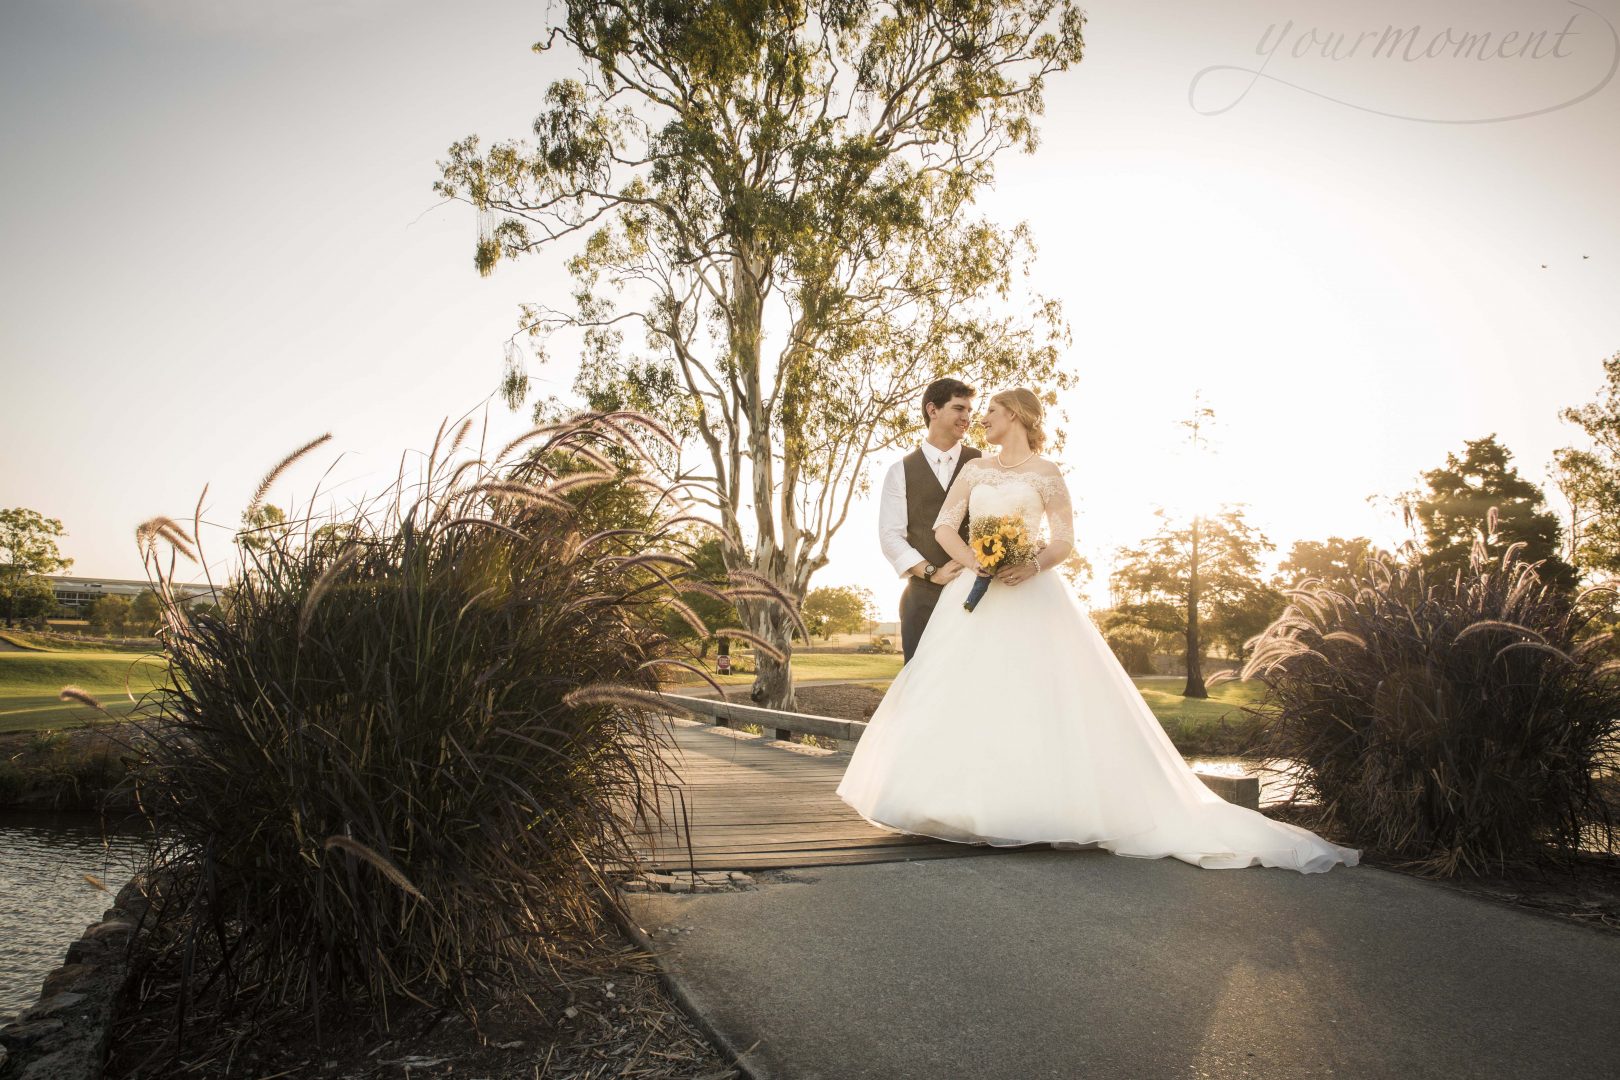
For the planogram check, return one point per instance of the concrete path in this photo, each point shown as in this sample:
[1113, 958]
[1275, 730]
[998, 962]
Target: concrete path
[1082, 964]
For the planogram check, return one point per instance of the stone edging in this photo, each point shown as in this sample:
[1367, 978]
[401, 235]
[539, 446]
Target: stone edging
[64, 1036]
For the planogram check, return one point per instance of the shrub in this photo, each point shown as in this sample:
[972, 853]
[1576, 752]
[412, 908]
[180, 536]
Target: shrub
[1456, 724]
[1133, 647]
[398, 761]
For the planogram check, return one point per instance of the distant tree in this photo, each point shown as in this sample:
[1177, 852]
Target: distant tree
[1459, 496]
[1203, 574]
[1334, 560]
[260, 525]
[110, 615]
[838, 609]
[716, 614]
[27, 553]
[1077, 570]
[145, 612]
[779, 248]
[31, 600]
[1590, 478]
[1133, 647]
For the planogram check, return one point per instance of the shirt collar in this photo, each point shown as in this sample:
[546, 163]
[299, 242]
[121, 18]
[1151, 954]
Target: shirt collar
[937, 456]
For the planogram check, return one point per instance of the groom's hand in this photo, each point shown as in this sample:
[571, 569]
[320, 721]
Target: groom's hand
[944, 574]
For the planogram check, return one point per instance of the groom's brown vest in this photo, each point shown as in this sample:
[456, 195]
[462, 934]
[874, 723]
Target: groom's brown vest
[924, 498]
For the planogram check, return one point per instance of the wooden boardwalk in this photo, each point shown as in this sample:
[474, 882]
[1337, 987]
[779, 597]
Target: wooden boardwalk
[753, 803]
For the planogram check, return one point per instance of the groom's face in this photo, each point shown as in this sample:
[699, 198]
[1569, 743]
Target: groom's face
[953, 417]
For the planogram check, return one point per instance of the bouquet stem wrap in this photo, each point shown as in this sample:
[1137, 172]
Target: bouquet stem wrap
[981, 585]
[997, 541]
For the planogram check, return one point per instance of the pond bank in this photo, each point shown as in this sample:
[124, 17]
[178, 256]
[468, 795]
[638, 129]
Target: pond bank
[73, 769]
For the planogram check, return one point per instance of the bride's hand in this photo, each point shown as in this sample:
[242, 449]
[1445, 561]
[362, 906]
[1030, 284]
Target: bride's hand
[1017, 573]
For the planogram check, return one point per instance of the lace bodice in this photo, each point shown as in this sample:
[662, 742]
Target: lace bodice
[985, 489]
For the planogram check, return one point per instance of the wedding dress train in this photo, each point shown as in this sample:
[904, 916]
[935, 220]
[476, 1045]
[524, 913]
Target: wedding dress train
[1015, 724]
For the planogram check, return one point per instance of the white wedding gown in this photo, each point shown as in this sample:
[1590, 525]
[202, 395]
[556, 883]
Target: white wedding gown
[1015, 724]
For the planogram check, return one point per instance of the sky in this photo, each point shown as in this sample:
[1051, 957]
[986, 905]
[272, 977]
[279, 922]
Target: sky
[219, 240]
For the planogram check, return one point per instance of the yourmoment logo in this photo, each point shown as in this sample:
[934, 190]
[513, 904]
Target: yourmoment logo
[1435, 72]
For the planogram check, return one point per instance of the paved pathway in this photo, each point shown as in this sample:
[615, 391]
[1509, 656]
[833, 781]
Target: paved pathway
[1079, 964]
[1076, 964]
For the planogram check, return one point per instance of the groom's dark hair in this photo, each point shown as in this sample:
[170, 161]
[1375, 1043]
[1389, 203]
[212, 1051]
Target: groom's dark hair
[941, 391]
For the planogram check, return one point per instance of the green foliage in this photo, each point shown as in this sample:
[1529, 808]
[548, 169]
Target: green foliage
[399, 760]
[1234, 603]
[1590, 478]
[1077, 570]
[838, 609]
[1463, 491]
[262, 525]
[1455, 722]
[779, 245]
[1333, 561]
[144, 612]
[110, 615]
[1133, 648]
[712, 611]
[28, 552]
[26, 599]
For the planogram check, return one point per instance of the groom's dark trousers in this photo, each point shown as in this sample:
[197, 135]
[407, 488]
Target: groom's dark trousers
[924, 498]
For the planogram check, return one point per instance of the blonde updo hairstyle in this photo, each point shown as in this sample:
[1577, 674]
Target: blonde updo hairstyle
[1024, 405]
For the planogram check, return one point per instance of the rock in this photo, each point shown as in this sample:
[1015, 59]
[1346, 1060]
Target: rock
[72, 1062]
[25, 1033]
[111, 928]
[740, 878]
[64, 978]
[65, 1001]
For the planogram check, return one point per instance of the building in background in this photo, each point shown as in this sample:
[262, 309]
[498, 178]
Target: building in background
[76, 594]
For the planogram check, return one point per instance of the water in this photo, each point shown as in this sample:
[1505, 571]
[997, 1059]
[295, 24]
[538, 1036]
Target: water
[45, 902]
[1275, 786]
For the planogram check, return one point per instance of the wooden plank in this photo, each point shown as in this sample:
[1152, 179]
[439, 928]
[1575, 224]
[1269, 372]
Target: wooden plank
[747, 804]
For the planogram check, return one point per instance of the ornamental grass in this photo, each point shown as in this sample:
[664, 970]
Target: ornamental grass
[1460, 725]
[396, 763]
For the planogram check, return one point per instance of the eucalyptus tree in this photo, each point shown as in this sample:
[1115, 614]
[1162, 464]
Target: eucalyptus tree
[768, 214]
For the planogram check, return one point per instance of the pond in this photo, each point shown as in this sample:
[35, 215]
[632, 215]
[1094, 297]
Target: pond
[45, 901]
[1275, 785]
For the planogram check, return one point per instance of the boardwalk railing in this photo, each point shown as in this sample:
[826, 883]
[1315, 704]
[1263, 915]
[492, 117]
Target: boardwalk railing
[1242, 790]
[729, 714]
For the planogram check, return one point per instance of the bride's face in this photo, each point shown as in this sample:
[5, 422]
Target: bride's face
[997, 422]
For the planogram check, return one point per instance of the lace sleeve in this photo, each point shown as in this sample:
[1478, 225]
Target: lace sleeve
[1059, 509]
[956, 499]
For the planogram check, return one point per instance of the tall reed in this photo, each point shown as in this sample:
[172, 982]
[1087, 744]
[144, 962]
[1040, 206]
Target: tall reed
[395, 761]
[1461, 725]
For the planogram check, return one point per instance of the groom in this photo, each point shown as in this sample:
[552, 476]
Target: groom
[913, 492]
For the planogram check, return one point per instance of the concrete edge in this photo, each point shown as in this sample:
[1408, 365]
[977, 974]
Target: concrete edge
[691, 1003]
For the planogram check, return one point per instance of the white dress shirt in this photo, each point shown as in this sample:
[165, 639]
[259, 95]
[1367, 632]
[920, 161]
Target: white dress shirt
[892, 507]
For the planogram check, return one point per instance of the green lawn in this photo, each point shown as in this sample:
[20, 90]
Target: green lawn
[31, 681]
[864, 667]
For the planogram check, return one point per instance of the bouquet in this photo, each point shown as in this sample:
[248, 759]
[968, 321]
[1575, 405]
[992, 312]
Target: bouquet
[997, 542]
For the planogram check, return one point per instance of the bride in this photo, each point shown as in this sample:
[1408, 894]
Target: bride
[1015, 724]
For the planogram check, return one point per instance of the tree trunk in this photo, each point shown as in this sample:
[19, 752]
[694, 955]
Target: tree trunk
[773, 679]
[1195, 673]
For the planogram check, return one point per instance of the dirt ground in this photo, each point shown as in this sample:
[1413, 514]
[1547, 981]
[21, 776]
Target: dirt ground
[850, 701]
[619, 1024]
